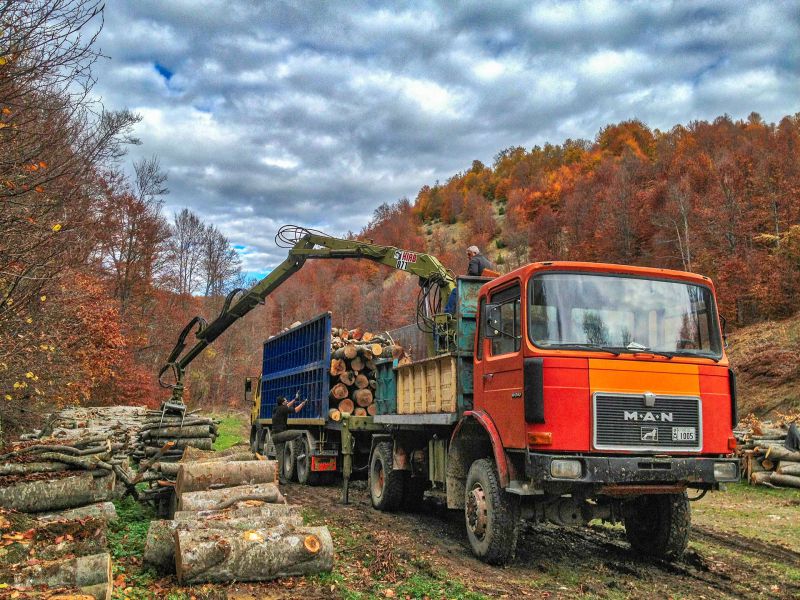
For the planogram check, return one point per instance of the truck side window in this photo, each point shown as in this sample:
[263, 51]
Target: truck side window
[509, 340]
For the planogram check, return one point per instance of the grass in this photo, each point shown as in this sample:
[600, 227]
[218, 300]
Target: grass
[126, 541]
[233, 429]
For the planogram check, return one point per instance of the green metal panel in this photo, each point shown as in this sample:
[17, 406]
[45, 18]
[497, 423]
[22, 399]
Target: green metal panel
[468, 288]
[386, 393]
[437, 460]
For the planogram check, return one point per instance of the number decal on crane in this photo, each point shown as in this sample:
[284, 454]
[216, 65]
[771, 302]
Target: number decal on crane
[404, 258]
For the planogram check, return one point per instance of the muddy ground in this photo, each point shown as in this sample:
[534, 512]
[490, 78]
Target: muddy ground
[745, 543]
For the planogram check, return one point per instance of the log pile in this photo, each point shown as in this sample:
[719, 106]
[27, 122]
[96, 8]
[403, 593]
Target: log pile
[50, 474]
[769, 453]
[57, 555]
[192, 430]
[353, 373]
[233, 524]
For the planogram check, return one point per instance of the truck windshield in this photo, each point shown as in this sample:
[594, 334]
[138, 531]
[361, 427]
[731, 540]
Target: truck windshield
[622, 314]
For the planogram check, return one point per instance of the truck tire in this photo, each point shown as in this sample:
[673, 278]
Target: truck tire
[385, 484]
[658, 524]
[492, 515]
[303, 463]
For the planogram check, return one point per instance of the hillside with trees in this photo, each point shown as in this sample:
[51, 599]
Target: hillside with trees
[96, 280]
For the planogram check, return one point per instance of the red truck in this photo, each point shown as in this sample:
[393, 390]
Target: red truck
[560, 392]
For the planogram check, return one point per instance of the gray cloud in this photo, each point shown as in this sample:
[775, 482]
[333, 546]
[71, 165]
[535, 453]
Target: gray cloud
[315, 113]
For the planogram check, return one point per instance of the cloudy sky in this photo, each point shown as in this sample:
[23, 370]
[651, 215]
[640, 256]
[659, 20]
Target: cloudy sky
[314, 113]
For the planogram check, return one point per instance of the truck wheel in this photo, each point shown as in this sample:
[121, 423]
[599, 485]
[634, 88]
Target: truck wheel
[289, 460]
[492, 515]
[303, 461]
[658, 524]
[385, 484]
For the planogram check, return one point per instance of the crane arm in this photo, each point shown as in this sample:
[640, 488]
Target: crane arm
[303, 245]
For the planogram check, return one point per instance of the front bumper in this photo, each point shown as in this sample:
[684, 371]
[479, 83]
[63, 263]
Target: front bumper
[615, 470]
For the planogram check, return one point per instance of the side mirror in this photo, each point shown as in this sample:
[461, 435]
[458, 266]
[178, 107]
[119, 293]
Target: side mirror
[248, 385]
[493, 321]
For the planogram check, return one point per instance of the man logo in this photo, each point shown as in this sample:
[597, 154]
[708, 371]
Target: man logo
[649, 435]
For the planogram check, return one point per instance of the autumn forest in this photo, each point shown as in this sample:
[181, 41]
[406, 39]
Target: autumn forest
[96, 279]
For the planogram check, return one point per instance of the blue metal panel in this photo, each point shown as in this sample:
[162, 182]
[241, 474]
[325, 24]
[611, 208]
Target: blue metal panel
[298, 360]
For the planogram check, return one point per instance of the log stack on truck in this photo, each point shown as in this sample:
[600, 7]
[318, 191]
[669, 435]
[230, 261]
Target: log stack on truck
[559, 392]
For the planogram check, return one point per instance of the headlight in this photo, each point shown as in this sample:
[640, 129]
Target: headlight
[563, 468]
[726, 471]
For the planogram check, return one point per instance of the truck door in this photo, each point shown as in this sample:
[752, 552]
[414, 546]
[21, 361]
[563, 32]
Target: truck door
[500, 374]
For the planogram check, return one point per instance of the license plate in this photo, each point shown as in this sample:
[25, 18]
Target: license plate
[684, 434]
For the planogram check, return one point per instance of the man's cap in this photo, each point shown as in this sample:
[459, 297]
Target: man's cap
[473, 249]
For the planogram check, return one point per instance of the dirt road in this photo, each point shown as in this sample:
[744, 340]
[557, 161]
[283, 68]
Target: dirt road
[745, 544]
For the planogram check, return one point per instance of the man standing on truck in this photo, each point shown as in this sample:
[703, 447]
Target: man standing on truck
[477, 262]
[280, 434]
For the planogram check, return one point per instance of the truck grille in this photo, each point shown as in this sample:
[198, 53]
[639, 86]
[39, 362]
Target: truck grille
[655, 423]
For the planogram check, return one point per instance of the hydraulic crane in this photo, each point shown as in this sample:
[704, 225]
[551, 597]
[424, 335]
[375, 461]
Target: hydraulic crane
[436, 284]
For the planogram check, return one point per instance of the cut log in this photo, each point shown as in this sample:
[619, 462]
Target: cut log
[255, 555]
[789, 468]
[350, 351]
[363, 397]
[784, 480]
[346, 406]
[347, 378]
[49, 495]
[360, 412]
[194, 431]
[361, 381]
[372, 409]
[159, 548]
[367, 336]
[781, 453]
[334, 415]
[198, 454]
[247, 508]
[32, 467]
[357, 364]
[104, 511]
[90, 574]
[339, 391]
[194, 477]
[760, 477]
[202, 443]
[217, 499]
[338, 367]
[373, 384]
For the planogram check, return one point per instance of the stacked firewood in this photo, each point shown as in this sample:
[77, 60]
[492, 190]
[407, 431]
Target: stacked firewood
[227, 503]
[769, 453]
[61, 555]
[353, 372]
[183, 431]
[49, 474]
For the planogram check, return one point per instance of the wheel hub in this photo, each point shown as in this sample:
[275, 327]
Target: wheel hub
[477, 511]
[378, 480]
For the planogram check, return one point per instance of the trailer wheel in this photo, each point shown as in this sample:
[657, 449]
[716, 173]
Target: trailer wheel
[289, 459]
[658, 524]
[254, 438]
[492, 515]
[414, 493]
[385, 484]
[303, 462]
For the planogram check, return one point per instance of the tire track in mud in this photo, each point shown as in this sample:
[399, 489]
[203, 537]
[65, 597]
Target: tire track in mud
[750, 545]
[600, 554]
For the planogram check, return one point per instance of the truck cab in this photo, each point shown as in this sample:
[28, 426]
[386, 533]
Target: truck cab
[604, 391]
